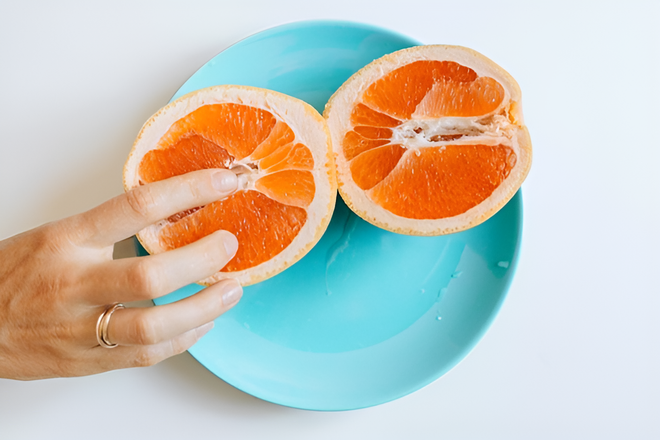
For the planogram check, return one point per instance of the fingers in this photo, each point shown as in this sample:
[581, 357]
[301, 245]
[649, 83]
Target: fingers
[144, 356]
[153, 325]
[148, 336]
[127, 214]
[136, 279]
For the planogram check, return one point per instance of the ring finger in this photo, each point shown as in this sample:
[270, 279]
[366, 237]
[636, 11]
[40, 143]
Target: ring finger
[152, 325]
[147, 355]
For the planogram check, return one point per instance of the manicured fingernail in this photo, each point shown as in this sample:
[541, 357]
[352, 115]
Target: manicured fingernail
[225, 181]
[230, 242]
[233, 295]
[204, 329]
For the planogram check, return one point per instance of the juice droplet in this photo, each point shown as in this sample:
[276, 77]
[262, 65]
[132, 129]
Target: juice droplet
[438, 318]
[457, 274]
[441, 292]
[504, 264]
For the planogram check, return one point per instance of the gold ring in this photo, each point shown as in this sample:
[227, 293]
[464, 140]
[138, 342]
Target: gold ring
[102, 325]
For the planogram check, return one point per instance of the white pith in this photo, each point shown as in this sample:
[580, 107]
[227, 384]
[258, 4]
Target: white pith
[309, 129]
[503, 126]
[492, 130]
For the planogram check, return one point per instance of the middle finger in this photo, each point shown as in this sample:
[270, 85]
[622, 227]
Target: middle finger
[144, 278]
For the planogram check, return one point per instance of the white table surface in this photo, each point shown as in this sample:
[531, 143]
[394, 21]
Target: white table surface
[575, 352]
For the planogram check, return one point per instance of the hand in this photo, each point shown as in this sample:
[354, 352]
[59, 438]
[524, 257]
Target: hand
[56, 280]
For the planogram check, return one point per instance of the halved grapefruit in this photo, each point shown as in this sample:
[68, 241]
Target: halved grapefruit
[280, 148]
[429, 140]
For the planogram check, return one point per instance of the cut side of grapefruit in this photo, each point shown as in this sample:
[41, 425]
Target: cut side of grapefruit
[279, 148]
[429, 140]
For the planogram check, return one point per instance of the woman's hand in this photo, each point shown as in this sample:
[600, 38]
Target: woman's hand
[56, 280]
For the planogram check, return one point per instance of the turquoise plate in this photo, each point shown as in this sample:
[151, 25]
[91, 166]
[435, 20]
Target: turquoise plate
[367, 316]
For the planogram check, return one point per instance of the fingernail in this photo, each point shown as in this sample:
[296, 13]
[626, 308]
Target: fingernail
[204, 329]
[230, 242]
[233, 295]
[225, 181]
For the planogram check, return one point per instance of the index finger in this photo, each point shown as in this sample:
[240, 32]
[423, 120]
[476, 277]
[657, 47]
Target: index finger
[129, 213]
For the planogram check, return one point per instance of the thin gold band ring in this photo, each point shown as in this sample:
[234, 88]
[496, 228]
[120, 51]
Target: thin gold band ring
[102, 325]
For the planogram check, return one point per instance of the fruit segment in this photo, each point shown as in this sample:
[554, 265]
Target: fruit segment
[372, 166]
[449, 98]
[279, 136]
[444, 181]
[290, 187]
[288, 157]
[445, 83]
[188, 154]
[235, 127]
[363, 115]
[355, 144]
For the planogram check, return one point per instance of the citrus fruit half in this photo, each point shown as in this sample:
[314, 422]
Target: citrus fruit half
[429, 140]
[280, 149]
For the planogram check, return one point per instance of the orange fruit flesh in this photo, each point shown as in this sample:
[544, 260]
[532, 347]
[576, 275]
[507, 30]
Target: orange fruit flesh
[265, 218]
[431, 182]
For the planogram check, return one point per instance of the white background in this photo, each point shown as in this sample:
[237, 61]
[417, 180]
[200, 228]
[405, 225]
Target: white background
[575, 352]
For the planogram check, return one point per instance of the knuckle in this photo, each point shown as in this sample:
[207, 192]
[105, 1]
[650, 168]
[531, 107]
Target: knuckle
[45, 233]
[145, 278]
[141, 201]
[146, 331]
[195, 190]
[64, 332]
[145, 358]
[54, 288]
[52, 237]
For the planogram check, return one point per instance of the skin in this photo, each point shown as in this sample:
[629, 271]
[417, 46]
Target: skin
[57, 279]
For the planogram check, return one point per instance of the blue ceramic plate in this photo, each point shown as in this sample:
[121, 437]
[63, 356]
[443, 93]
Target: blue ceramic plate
[367, 316]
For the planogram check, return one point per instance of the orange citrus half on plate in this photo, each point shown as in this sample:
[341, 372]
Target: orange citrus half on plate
[429, 140]
[280, 149]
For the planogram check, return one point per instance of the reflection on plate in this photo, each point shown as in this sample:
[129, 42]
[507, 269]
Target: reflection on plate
[367, 316]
